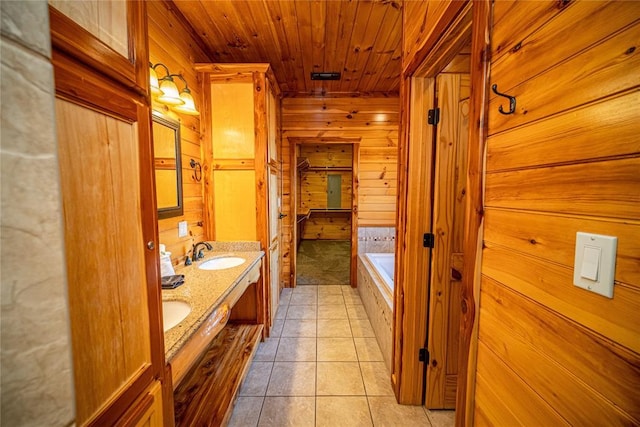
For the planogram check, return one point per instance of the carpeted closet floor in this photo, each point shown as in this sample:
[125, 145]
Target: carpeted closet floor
[323, 262]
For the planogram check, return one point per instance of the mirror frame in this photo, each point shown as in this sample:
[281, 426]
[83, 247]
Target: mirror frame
[172, 211]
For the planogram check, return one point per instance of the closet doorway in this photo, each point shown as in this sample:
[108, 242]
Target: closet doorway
[325, 198]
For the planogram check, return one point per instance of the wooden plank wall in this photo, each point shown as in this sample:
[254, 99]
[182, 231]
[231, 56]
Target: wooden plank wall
[568, 160]
[375, 121]
[328, 226]
[313, 182]
[313, 189]
[171, 42]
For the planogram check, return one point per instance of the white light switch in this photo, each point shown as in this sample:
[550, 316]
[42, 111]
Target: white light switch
[590, 263]
[595, 263]
[182, 229]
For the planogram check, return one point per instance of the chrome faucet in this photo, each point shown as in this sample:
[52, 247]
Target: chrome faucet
[197, 254]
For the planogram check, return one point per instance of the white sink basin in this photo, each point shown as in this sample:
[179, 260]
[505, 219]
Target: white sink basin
[174, 312]
[221, 263]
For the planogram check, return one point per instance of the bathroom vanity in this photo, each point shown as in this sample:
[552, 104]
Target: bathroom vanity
[209, 351]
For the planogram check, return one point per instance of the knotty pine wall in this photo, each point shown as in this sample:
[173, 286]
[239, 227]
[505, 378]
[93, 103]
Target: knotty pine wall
[313, 181]
[568, 160]
[313, 190]
[375, 121]
[171, 42]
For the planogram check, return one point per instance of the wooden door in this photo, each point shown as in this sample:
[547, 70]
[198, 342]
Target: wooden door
[412, 264]
[109, 211]
[448, 228]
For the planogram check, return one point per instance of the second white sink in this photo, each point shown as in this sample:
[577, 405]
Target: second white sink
[221, 263]
[174, 312]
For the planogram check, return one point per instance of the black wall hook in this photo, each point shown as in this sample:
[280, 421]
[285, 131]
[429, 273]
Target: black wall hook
[197, 170]
[512, 101]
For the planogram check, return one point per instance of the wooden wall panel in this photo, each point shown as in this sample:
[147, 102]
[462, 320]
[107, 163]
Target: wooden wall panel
[328, 226]
[375, 121]
[517, 407]
[327, 155]
[600, 366]
[569, 137]
[604, 188]
[313, 190]
[232, 129]
[172, 43]
[566, 161]
[600, 70]
[235, 216]
[551, 237]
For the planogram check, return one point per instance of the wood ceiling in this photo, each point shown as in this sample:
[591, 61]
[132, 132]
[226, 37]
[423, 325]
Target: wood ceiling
[361, 39]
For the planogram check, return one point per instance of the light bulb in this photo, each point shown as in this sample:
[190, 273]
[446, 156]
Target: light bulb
[189, 106]
[153, 82]
[170, 95]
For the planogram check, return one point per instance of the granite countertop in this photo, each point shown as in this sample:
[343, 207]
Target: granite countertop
[204, 290]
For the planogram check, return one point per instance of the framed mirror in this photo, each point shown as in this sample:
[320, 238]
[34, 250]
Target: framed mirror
[168, 167]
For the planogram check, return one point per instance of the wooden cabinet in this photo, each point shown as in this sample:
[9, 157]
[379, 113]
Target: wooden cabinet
[242, 167]
[104, 144]
[147, 410]
[208, 368]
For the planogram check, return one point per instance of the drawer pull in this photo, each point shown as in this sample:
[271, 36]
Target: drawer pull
[512, 101]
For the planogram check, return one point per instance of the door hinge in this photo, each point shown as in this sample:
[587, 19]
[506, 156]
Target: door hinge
[433, 117]
[428, 240]
[423, 355]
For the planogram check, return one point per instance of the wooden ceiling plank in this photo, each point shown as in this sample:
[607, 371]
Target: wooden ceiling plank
[377, 29]
[165, 14]
[290, 23]
[381, 64]
[355, 44]
[297, 37]
[303, 13]
[318, 17]
[390, 79]
[346, 18]
[200, 20]
[257, 24]
[239, 19]
[284, 69]
[332, 34]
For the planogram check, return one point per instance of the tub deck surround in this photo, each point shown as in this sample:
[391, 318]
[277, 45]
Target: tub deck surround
[377, 298]
[205, 291]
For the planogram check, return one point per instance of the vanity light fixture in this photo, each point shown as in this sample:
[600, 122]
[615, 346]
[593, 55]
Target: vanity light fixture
[166, 91]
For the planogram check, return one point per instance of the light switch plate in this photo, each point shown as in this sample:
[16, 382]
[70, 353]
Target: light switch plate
[182, 229]
[603, 249]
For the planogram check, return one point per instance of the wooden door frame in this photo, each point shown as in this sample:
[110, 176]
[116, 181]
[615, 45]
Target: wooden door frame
[294, 142]
[430, 59]
[274, 165]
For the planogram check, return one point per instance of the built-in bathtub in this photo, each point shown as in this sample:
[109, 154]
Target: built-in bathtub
[375, 285]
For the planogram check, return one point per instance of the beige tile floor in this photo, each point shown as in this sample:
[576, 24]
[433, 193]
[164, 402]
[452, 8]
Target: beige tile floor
[322, 366]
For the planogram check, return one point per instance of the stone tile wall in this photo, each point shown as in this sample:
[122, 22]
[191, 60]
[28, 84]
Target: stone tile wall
[376, 240]
[37, 378]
